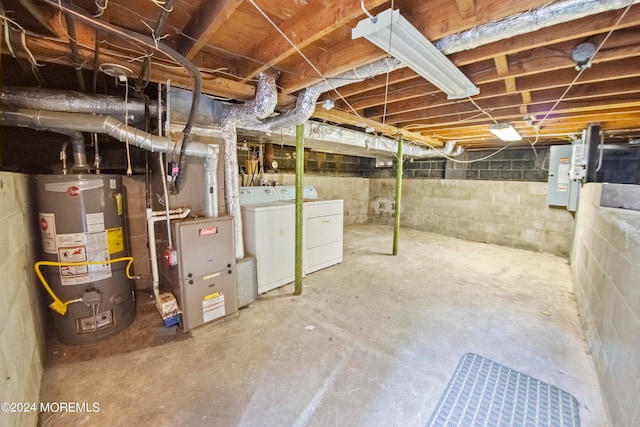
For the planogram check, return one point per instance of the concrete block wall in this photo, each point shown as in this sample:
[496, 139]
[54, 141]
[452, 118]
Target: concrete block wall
[513, 214]
[606, 276]
[620, 166]
[520, 164]
[318, 163]
[354, 191]
[22, 311]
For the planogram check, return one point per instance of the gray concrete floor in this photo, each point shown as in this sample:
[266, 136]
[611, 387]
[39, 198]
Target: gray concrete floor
[387, 335]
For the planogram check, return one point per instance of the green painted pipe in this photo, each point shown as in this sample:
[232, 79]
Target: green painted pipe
[396, 225]
[299, 205]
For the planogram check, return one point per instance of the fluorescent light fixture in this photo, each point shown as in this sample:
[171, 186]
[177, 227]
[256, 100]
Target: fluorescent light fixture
[505, 132]
[394, 34]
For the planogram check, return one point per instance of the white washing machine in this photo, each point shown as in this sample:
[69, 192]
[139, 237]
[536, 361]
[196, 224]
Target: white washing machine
[268, 228]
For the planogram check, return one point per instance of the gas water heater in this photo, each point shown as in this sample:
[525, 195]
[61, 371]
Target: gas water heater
[81, 220]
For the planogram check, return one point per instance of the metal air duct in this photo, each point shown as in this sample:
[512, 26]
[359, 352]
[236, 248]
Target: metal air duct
[553, 13]
[118, 130]
[74, 102]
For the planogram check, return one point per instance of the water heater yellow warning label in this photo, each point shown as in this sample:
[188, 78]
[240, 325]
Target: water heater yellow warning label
[115, 239]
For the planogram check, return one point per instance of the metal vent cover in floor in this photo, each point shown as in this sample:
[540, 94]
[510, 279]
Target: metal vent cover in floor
[485, 393]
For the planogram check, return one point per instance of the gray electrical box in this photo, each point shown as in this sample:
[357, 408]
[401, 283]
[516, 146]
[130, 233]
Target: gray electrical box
[563, 184]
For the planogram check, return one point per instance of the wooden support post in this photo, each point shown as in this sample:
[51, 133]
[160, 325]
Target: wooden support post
[396, 226]
[299, 205]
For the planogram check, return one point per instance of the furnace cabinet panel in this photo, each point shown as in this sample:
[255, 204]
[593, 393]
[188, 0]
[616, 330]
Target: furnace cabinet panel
[204, 281]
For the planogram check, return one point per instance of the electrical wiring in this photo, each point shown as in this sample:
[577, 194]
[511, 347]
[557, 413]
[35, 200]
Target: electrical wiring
[602, 43]
[64, 28]
[156, 39]
[161, 5]
[453, 159]
[7, 39]
[483, 111]
[23, 39]
[101, 8]
[386, 82]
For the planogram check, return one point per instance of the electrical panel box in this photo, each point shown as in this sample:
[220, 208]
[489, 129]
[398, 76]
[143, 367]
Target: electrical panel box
[565, 175]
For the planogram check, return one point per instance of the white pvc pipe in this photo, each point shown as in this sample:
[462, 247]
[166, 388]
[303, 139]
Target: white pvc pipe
[152, 218]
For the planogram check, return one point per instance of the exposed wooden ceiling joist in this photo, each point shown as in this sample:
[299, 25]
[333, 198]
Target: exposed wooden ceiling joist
[231, 41]
[208, 19]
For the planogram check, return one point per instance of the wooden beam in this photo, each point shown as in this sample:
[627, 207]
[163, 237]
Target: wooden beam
[44, 16]
[204, 23]
[467, 8]
[623, 101]
[427, 16]
[391, 131]
[562, 118]
[312, 23]
[502, 64]
[502, 67]
[510, 85]
[338, 61]
[579, 30]
[56, 51]
[464, 110]
[408, 89]
[408, 96]
[397, 76]
[526, 100]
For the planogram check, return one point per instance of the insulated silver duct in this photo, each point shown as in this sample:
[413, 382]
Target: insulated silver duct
[305, 106]
[118, 130]
[451, 149]
[359, 74]
[306, 102]
[260, 108]
[231, 184]
[266, 97]
[74, 102]
[553, 13]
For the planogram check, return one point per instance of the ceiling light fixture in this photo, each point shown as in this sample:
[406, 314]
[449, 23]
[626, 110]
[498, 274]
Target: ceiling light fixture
[328, 104]
[392, 33]
[505, 132]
